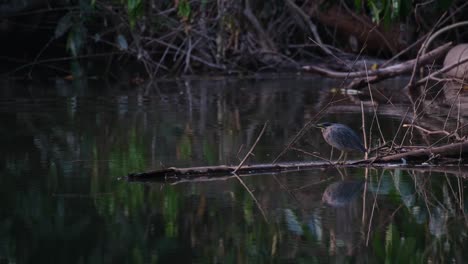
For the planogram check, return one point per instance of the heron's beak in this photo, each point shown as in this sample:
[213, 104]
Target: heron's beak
[317, 126]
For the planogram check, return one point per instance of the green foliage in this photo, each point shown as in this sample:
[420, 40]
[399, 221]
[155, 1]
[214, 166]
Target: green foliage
[185, 146]
[183, 9]
[74, 23]
[135, 11]
[358, 5]
[396, 248]
[77, 23]
[76, 39]
[386, 11]
[390, 11]
[171, 212]
[63, 25]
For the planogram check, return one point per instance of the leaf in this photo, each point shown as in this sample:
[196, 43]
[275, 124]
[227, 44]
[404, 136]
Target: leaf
[122, 42]
[357, 5]
[76, 39]
[63, 25]
[135, 11]
[387, 16]
[183, 9]
[375, 12]
[389, 238]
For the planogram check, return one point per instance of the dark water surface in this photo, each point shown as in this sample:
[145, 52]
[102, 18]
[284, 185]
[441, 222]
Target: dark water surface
[65, 148]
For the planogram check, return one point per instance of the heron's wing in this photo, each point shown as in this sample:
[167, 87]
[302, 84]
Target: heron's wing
[348, 139]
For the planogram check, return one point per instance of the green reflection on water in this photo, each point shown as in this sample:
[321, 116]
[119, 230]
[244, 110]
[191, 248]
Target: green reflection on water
[62, 199]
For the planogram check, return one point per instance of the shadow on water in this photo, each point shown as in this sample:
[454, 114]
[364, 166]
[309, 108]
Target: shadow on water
[65, 145]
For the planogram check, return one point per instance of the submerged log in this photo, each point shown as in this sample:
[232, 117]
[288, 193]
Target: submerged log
[449, 154]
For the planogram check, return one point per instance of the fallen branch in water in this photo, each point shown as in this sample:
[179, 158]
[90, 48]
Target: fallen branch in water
[383, 73]
[184, 175]
[451, 153]
[451, 150]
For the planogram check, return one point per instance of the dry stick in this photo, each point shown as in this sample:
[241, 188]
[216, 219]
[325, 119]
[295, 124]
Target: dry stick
[299, 134]
[421, 99]
[444, 69]
[451, 188]
[420, 52]
[253, 196]
[265, 40]
[451, 108]
[366, 176]
[286, 189]
[439, 32]
[434, 132]
[387, 72]
[364, 130]
[166, 50]
[451, 79]
[444, 137]
[286, 58]
[59, 59]
[418, 101]
[445, 150]
[460, 195]
[240, 165]
[334, 56]
[312, 27]
[252, 148]
[175, 176]
[312, 184]
[196, 58]
[403, 51]
[373, 207]
[399, 127]
[458, 114]
[313, 155]
[373, 106]
[39, 54]
[416, 104]
[188, 54]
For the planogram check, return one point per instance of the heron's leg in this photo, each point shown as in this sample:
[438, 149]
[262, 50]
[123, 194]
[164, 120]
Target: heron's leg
[345, 157]
[339, 158]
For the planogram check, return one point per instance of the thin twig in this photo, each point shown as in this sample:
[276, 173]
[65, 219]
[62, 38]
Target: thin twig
[434, 132]
[444, 69]
[313, 155]
[364, 130]
[422, 50]
[374, 108]
[373, 208]
[252, 195]
[252, 148]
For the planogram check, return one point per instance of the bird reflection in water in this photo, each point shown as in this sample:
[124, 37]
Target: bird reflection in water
[343, 211]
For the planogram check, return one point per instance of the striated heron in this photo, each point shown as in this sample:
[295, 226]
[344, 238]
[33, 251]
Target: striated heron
[341, 137]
